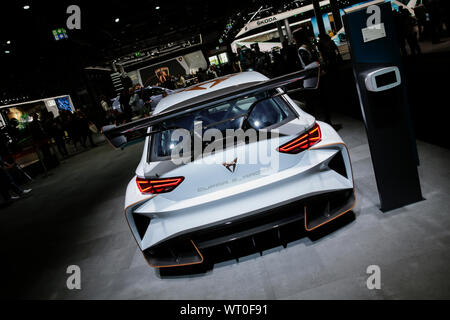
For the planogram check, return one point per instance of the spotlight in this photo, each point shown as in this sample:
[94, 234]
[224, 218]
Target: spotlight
[157, 8]
[8, 42]
[26, 7]
[117, 20]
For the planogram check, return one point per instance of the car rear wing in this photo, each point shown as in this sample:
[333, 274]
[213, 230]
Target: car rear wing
[136, 131]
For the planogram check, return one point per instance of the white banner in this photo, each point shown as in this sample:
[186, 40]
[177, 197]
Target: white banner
[278, 17]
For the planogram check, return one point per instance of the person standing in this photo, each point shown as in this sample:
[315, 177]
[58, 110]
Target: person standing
[434, 10]
[7, 183]
[134, 99]
[330, 79]
[317, 100]
[40, 136]
[104, 104]
[400, 29]
[85, 131]
[181, 83]
[305, 54]
[73, 129]
[201, 75]
[445, 5]
[408, 23]
[291, 62]
[330, 53]
[211, 73]
[420, 13]
[304, 58]
[56, 131]
[124, 100]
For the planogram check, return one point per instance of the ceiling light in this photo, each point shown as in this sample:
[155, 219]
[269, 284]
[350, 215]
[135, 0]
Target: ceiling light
[8, 42]
[157, 8]
[7, 51]
[26, 7]
[117, 20]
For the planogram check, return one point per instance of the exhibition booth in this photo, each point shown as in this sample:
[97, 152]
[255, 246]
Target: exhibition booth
[14, 126]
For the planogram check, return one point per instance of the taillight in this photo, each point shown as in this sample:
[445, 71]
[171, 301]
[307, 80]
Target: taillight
[156, 186]
[304, 142]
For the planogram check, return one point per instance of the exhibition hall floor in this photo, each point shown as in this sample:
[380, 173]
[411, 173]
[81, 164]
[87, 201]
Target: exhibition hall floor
[75, 217]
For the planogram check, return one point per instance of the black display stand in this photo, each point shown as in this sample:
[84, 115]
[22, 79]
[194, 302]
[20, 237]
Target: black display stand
[378, 73]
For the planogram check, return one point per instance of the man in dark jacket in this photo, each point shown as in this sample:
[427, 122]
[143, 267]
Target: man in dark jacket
[125, 104]
[85, 131]
[56, 131]
[40, 136]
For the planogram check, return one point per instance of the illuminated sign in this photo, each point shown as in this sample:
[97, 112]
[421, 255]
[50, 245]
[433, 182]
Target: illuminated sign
[60, 34]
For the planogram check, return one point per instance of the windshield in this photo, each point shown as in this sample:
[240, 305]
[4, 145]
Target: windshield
[261, 111]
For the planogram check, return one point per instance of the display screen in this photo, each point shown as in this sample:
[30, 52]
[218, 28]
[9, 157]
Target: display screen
[60, 34]
[63, 104]
[386, 79]
[149, 75]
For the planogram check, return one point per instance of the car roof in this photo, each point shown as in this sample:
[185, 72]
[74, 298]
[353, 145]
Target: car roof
[208, 90]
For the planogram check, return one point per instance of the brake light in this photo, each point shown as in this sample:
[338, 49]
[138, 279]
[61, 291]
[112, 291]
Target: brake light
[304, 142]
[156, 186]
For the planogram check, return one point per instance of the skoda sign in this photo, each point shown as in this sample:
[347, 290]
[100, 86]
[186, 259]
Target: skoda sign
[265, 21]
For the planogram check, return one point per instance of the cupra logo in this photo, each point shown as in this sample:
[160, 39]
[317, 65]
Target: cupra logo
[231, 166]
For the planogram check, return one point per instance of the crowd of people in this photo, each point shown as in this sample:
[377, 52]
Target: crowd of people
[75, 128]
[431, 17]
[133, 101]
[295, 56]
[292, 56]
[46, 129]
[41, 135]
[174, 82]
[431, 21]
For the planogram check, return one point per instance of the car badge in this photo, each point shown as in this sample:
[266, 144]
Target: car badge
[231, 166]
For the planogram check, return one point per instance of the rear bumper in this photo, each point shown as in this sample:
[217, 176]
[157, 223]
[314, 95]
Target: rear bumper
[312, 213]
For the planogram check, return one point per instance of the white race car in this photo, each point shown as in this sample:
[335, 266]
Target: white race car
[268, 153]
